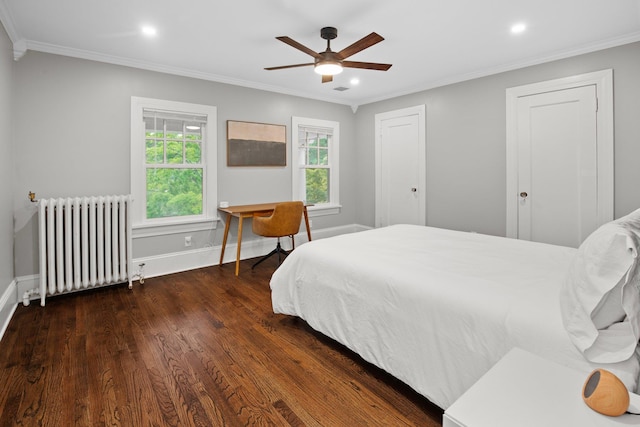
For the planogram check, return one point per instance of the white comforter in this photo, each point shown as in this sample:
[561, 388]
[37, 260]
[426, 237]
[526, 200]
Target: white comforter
[436, 308]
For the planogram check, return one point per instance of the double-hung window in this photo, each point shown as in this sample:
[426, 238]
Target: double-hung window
[173, 162]
[316, 163]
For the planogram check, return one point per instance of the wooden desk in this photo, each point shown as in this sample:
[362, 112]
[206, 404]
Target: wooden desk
[247, 211]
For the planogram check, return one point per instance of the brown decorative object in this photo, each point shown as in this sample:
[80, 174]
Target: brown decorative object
[256, 144]
[605, 393]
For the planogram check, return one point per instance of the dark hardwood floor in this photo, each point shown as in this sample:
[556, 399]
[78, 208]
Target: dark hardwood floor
[198, 348]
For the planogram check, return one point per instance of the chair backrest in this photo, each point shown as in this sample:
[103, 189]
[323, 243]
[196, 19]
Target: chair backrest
[284, 221]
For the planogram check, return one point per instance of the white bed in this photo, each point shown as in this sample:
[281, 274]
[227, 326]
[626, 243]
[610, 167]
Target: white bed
[435, 308]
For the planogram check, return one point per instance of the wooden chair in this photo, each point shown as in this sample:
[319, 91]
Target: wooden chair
[283, 221]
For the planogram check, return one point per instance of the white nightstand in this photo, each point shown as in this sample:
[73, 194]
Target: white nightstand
[522, 390]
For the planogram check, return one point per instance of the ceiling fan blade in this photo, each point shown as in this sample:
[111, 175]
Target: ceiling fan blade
[361, 44]
[289, 66]
[327, 79]
[291, 42]
[366, 65]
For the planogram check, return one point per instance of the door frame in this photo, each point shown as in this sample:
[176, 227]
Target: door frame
[603, 81]
[420, 111]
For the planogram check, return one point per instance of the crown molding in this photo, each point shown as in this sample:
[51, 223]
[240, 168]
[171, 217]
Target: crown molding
[150, 66]
[563, 54]
[21, 46]
[7, 21]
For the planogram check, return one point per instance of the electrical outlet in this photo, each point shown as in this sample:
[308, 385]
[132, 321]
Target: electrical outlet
[187, 241]
[310, 223]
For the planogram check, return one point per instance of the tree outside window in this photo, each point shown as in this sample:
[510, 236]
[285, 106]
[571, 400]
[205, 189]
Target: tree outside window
[174, 167]
[173, 164]
[315, 174]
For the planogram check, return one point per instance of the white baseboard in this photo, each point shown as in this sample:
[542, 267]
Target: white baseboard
[160, 265]
[170, 263]
[8, 304]
[176, 262]
[25, 284]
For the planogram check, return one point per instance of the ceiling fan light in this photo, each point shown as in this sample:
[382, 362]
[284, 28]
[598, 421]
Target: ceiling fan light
[328, 68]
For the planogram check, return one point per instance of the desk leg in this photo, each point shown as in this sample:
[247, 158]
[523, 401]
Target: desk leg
[224, 239]
[306, 223]
[239, 243]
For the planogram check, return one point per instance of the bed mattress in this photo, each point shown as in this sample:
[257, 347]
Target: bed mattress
[435, 308]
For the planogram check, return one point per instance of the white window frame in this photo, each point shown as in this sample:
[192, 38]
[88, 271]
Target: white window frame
[298, 187]
[159, 226]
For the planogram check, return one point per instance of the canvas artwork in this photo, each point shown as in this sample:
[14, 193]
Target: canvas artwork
[256, 144]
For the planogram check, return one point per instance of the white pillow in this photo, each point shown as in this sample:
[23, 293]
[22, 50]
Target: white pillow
[600, 298]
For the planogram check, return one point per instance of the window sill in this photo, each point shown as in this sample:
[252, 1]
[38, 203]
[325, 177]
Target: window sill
[175, 227]
[321, 210]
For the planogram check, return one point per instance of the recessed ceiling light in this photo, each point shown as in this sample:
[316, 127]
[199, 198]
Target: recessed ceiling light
[518, 28]
[354, 81]
[149, 31]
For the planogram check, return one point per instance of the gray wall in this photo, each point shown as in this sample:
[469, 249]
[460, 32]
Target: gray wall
[77, 112]
[466, 137]
[72, 131]
[6, 164]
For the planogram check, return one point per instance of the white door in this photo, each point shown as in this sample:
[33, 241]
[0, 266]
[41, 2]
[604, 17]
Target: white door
[400, 167]
[557, 173]
[560, 170]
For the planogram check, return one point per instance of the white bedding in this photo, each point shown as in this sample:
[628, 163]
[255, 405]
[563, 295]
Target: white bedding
[435, 308]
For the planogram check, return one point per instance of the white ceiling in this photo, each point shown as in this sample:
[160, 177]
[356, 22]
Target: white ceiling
[429, 42]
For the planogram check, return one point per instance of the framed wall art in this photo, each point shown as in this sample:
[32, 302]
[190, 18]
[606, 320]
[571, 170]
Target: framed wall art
[256, 144]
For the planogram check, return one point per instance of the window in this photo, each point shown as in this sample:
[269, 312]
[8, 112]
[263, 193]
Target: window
[315, 163]
[173, 162]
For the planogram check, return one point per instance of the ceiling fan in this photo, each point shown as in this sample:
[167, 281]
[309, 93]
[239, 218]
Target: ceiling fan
[330, 63]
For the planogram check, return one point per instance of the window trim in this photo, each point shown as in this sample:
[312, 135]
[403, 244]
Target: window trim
[138, 170]
[333, 207]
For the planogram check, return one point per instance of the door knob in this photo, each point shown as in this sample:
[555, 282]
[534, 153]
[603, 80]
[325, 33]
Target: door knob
[524, 194]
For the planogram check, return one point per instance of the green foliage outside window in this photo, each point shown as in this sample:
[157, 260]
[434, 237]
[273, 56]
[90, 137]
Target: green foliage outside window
[173, 190]
[317, 179]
